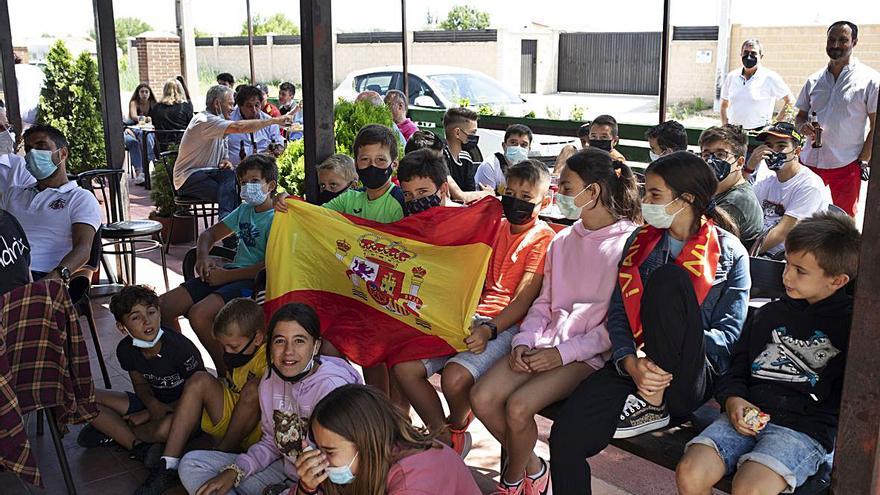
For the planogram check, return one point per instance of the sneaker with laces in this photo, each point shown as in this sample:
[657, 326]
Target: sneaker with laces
[639, 416]
[159, 480]
[90, 437]
[140, 451]
[461, 442]
[139, 179]
[539, 485]
[502, 489]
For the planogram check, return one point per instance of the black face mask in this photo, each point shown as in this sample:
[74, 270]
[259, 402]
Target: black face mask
[749, 61]
[374, 177]
[422, 204]
[776, 160]
[517, 211]
[602, 144]
[238, 359]
[326, 196]
[471, 143]
[719, 166]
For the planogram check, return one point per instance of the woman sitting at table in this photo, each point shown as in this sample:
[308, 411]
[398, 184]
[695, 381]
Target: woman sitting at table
[172, 113]
[140, 105]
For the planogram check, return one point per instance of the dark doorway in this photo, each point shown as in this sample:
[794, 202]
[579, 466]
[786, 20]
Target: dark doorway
[529, 67]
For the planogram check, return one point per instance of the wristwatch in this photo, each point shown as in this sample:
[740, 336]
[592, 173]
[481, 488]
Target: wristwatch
[64, 272]
[492, 326]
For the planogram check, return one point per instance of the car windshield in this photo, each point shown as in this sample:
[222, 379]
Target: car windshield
[476, 88]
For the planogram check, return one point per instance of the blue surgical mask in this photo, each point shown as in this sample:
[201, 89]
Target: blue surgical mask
[516, 154]
[253, 194]
[656, 215]
[146, 344]
[567, 205]
[341, 475]
[39, 163]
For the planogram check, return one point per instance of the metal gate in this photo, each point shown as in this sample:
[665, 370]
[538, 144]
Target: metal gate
[614, 63]
[529, 66]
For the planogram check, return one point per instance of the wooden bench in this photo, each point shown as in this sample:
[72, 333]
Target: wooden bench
[665, 447]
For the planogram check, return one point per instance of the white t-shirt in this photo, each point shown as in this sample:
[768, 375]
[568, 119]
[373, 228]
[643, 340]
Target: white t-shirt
[30, 84]
[798, 197]
[47, 218]
[752, 100]
[203, 146]
[842, 108]
[13, 173]
[489, 174]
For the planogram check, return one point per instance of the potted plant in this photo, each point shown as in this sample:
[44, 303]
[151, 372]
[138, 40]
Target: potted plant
[163, 197]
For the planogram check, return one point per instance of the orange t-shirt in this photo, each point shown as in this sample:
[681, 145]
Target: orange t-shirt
[513, 255]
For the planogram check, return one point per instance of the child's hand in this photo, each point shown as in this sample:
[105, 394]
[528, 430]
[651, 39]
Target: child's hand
[204, 267]
[219, 485]
[280, 202]
[218, 276]
[311, 466]
[539, 360]
[649, 377]
[516, 359]
[159, 410]
[138, 418]
[735, 407]
[476, 341]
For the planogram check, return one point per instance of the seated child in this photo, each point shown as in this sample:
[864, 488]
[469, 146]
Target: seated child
[604, 135]
[227, 409]
[515, 148]
[202, 297]
[298, 378]
[562, 338]
[788, 364]
[422, 175]
[513, 281]
[336, 175]
[159, 364]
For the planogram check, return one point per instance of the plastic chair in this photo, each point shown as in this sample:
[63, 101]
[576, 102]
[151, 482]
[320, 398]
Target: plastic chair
[187, 207]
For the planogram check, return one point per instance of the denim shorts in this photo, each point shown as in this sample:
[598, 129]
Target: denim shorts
[476, 364]
[791, 454]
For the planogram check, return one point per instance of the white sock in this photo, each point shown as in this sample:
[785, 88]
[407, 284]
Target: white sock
[540, 471]
[510, 485]
[171, 462]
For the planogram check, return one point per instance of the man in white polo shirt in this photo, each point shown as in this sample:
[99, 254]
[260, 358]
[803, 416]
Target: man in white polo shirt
[843, 96]
[748, 95]
[59, 217]
[12, 171]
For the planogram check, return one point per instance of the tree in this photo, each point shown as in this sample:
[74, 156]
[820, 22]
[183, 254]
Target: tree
[198, 33]
[463, 17]
[274, 24]
[126, 27]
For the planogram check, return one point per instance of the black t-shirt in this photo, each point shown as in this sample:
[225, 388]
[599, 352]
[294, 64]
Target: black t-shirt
[171, 118]
[462, 168]
[166, 373]
[15, 254]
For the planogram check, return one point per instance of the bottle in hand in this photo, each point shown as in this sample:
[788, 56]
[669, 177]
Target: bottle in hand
[817, 129]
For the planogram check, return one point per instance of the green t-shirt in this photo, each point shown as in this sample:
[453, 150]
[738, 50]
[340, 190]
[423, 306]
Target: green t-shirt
[387, 208]
[252, 229]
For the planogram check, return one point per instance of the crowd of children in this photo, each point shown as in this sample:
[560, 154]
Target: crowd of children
[632, 315]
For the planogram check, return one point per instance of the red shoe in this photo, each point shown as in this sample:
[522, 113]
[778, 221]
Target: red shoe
[461, 439]
[538, 486]
[502, 489]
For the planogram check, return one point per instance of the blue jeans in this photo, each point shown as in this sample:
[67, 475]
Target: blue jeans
[216, 185]
[791, 454]
[133, 145]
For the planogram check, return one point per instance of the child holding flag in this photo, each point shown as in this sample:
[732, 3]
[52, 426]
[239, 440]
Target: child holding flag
[682, 289]
[563, 338]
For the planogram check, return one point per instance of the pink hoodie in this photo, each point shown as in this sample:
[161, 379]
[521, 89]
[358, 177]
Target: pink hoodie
[290, 405]
[436, 470]
[580, 273]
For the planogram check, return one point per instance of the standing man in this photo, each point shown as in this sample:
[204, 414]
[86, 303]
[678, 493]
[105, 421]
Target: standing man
[843, 96]
[748, 95]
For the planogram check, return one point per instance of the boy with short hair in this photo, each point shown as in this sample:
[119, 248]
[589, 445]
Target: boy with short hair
[604, 135]
[724, 149]
[513, 281]
[515, 148]
[460, 126]
[159, 364]
[782, 392]
[228, 410]
[336, 175]
[422, 175]
[202, 297]
[666, 138]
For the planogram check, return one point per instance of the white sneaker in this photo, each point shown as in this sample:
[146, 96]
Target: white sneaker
[139, 179]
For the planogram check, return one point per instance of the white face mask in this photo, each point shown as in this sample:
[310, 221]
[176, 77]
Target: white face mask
[653, 156]
[656, 216]
[7, 143]
[146, 344]
[567, 205]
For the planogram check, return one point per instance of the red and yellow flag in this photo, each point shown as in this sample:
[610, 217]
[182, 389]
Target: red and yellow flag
[384, 292]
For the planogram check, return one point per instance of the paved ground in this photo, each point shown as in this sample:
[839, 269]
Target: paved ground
[107, 470]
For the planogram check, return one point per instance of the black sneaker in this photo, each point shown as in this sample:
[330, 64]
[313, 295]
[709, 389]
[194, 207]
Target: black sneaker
[159, 480]
[90, 437]
[148, 453]
[639, 417]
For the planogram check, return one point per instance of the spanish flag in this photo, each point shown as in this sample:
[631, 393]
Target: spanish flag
[384, 292]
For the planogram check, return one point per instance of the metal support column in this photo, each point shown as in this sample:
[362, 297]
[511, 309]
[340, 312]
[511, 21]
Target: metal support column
[664, 60]
[250, 29]
[317, 88]
[857, 453]
[405, 46]
[10, 84]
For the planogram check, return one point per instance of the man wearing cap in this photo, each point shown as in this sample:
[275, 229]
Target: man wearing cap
[843, 97]
[789, 194]
[749, 94]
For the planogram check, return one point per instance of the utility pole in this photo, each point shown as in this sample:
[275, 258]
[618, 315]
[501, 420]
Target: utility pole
[250, 26]
[723, 50]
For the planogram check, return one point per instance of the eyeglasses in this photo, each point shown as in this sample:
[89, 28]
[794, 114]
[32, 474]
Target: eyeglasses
[720, 154]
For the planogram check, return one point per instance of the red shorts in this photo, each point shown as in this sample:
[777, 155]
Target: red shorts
[845, 183]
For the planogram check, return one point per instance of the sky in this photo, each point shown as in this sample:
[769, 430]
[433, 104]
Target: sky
[75, 17]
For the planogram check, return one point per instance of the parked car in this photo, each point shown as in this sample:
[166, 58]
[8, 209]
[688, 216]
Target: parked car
[441, 87]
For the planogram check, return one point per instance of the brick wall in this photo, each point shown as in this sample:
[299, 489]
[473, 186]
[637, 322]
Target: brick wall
[158, 60]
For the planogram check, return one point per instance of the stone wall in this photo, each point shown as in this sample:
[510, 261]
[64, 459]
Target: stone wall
[692, 71]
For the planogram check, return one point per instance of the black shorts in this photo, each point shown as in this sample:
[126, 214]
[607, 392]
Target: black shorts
[199, 289]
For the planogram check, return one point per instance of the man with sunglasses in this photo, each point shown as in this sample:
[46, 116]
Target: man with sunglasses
[749, 94]
[791, 193]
